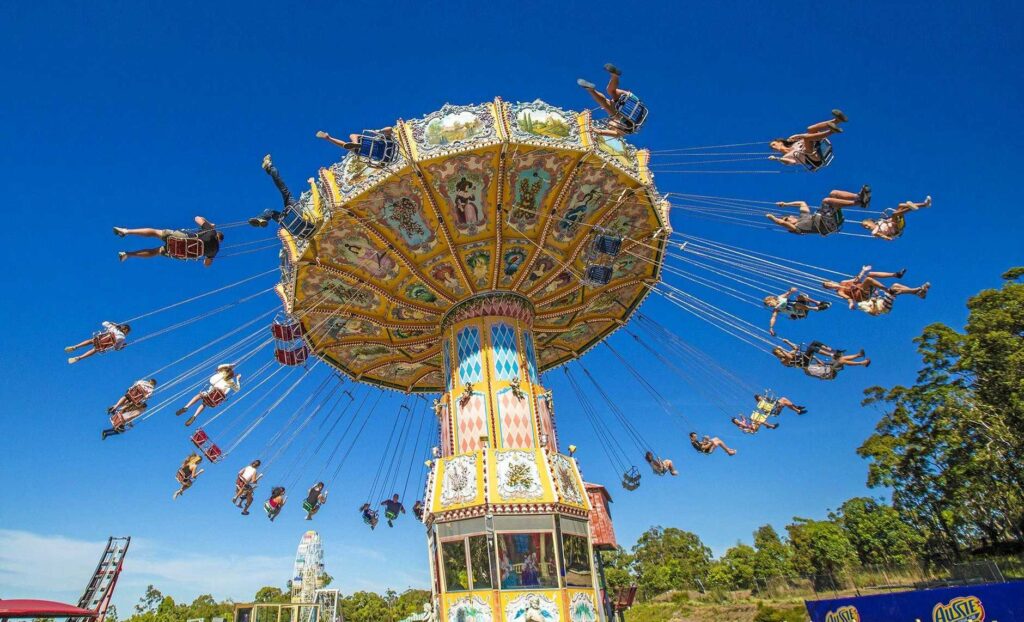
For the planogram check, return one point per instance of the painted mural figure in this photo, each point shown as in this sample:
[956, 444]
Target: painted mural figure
[404, 215]
[570, 222]
[514, 259]
[467, 211]
[376, 262]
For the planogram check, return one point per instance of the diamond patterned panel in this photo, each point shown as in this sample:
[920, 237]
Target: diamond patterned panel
[514, 423]
[470, 368]
[471, 423]
[506, 357]
[531, 357]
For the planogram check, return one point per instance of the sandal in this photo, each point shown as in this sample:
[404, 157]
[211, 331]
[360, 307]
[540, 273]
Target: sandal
[612, 69]
[585, 84]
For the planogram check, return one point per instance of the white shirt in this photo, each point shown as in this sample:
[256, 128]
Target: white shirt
[221, 381]
[248, 474]
[119, 336]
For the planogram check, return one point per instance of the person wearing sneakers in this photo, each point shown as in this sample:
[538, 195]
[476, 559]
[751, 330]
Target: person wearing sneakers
[618, 124]
[772, 407]
[867, 293]
[245, 484]
[208, 233]
[660, 466]
[890, 225]
[708, 444]
[289, 218]
[802, 149]
[827, 219]
[221, 383]
[112, 337]
[793, 305]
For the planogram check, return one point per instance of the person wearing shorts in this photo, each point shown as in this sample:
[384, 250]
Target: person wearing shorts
[207, 234]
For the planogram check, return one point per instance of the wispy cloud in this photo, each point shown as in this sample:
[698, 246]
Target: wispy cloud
[55, 567]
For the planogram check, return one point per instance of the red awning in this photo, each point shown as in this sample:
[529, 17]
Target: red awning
[26, 608]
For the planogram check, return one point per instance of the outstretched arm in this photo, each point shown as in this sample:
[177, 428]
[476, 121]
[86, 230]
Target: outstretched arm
[771, 322]
[792, 204]
[203, 223]
[334, 141]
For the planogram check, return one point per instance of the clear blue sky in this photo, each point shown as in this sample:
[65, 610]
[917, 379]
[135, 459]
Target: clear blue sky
[141, 114]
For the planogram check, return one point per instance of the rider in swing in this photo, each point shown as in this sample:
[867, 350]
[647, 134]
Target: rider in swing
[392, 508]
[207, 233]
[660, 466]
[792, 304]
[618, 125]
[297, 226]
[112, 337]
[221, 382]
[187, 473]
[827, 219]
[314, 499]
[369, 515]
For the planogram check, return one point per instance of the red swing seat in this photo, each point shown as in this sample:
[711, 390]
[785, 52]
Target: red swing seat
[624, 598]
[213, 398]
[184, 248]
[137, 394]
[297, 356]
[103, 341]
[207, 447]
[289, 331]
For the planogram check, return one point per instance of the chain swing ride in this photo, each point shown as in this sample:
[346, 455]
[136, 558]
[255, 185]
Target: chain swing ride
[460, 256]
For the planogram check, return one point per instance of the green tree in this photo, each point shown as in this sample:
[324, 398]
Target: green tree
[738, 563]
[271, 594]
[772, 555]
[821, 548]
[149, 600]
[667, 559]
[410, 602]
[877, 532]
[617, 573]
[364, 607]
[951, 445]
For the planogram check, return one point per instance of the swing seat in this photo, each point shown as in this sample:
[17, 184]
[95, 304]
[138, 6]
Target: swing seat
[824, 151]
[180, 476]
[213, 398]
[376, 149]
[286, 330]
[297, 356]
[599, 275]
[631, 478]
[207, 447]
[103, 341]
[137, 394]
[388, 514]
[295, 224]
[309, 507]
[370, 517]
[830, 220]
[631, 111]
[184, 247]
[123, 418]
[608, 244]
[899, 221]
[624, 598]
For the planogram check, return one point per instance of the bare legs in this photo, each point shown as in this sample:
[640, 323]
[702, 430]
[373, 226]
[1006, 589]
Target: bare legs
[669, 466]
[852, 359]
[717, 442]
[785, 402]
[897, 289]
[74, 359]
[191, 402]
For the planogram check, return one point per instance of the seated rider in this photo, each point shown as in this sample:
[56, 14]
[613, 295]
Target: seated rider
[708, 444]
[660, 466]
[369, 516]
[275, 502]
[245, 484]
[751, 426]
[418, 509]
[112, 337]
[299, 227]
[354, 141]
[793, 305]
[142, 388]
[314, 499]
[802, 149]
[208, 233]
[618, 125]
[187, 473]
[392, 507]
[867, 293]
[221, 382]
[890, 226]
[827, 219]
[773, 406]
[825, 363]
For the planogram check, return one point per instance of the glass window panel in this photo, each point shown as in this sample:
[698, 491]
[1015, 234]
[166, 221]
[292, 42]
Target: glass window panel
[460, 528]
[480, 562]
[575, 527]
[523, 523]
[526, 560]
[576, 557]
[453, 557]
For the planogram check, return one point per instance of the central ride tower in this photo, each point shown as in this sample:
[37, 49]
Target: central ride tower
[500, 240]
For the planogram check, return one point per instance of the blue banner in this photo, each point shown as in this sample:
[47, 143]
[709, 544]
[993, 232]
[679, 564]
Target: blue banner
[990, 602]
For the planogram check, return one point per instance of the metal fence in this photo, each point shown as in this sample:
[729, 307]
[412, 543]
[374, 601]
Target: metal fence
[880, 579]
